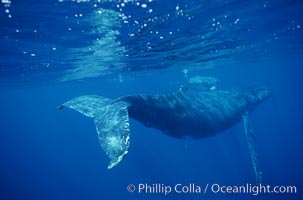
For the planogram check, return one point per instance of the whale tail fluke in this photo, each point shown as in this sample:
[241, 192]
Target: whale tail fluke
[111, 121]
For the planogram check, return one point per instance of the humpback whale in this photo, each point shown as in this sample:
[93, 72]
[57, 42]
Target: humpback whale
[197, 112]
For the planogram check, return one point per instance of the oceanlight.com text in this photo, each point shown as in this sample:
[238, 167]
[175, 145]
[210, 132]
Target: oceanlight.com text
[253, 189]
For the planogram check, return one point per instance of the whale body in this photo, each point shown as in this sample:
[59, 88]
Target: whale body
[196, 113]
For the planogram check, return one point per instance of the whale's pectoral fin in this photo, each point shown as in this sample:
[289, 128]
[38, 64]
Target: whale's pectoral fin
[251, 139]
[112, 124]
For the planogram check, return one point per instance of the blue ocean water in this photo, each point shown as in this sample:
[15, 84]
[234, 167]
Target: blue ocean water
[52, 51]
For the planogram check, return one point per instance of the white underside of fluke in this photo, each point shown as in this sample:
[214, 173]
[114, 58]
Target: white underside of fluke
[112, 124]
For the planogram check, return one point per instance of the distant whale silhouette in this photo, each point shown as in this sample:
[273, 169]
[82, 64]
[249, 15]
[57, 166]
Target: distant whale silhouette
[196, 113]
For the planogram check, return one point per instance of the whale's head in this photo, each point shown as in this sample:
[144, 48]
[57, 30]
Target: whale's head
[256, 96]
[263, 93]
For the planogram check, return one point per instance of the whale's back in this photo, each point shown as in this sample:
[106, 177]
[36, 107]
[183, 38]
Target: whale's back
[192, 113]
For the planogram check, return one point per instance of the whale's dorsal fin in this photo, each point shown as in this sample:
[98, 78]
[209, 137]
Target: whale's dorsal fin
[112, 124]
[183, 89]
[203, 82]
